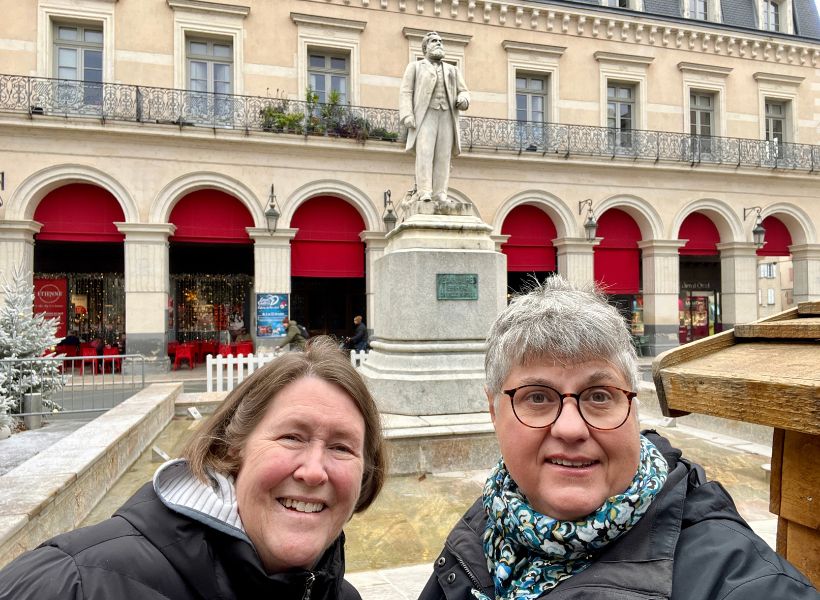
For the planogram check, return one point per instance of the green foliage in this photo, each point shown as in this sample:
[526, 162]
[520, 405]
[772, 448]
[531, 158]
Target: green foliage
[277, 116]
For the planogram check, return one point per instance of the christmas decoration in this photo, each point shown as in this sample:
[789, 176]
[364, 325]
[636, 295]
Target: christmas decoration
[24, 335]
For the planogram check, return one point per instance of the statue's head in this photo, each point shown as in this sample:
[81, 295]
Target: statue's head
[432, 46]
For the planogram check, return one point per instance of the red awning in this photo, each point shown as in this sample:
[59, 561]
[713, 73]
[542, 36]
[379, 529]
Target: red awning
[211, 217]
[529, 247]
[617, 259]
[327, 243]
[702, 236]
[777, 239]
[79, 212]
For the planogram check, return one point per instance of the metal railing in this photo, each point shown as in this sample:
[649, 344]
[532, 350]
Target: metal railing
[86, 384]
[40, 96]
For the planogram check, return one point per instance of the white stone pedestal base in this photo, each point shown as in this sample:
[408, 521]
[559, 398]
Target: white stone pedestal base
[428, 355]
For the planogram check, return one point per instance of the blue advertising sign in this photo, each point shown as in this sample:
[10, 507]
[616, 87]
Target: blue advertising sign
[270, 310]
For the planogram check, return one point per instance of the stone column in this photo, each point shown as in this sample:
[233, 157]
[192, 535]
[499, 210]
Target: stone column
[374, 249]
[661, 285]
[147, 284]
[271, 271]
[17, 249]
[806, 264]
[738, 283]
[575, 259]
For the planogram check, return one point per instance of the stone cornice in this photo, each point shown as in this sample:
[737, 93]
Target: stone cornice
[614, 57]
[303, 19]
[512, 45]
[652, 30]
[450, 38]
[778, 78]
[688, 67]
[210, 7]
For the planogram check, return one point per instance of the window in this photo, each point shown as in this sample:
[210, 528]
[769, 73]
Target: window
[767, 270]
[78, 53]
[530, 98]
[775, 126]
[329, 73]
[770, 296]
[701, 119]
[210, 76]
[616, 3]
[771, 15]
[698, 9]
[620, 114]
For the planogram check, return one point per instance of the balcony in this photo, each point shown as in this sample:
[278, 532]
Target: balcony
[39, 96]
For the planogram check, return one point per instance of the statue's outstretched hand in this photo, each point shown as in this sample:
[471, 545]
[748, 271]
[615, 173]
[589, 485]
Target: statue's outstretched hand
[409, 121]
[462, 103]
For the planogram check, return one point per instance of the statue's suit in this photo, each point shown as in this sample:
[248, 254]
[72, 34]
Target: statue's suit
[432, 160]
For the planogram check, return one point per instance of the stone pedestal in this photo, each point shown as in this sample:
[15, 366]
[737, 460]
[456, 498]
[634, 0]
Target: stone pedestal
[439, 285]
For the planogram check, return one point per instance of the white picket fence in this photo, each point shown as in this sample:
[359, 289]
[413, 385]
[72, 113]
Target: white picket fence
[226, 372]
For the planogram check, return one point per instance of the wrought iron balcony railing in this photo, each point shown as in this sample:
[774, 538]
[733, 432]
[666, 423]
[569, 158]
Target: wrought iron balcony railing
[122, 102]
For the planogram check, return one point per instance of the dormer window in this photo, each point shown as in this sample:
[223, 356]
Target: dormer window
[771, 15]
[697, 9]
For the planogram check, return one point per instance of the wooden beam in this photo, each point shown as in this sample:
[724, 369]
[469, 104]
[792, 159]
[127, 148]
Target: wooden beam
[809, 308]
[805, 328]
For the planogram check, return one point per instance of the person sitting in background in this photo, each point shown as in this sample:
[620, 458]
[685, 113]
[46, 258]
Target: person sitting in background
[582, 504]
[70, 340]
[293, 336]
[254, 509]
[244, 336]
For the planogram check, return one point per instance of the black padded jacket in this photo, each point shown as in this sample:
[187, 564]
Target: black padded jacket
[690, 545]
[148, 552]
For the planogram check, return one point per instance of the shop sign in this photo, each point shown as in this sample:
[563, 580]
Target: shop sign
[270, 310]
[456, 286]
[50, 301]
[696, 285]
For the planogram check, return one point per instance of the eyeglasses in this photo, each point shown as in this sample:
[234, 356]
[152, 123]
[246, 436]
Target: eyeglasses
[601, 407]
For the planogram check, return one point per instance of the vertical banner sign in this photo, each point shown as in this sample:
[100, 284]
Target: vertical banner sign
[50, 300]
[270, 310]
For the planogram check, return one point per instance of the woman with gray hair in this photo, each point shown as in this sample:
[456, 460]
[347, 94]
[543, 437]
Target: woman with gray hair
[581, 504]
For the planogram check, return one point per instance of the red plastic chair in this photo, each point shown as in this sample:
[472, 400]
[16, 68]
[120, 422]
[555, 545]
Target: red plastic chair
[114, 364]
[184, 352]
[209, 347]
[244, 348]
[224, 349]
[86, 353]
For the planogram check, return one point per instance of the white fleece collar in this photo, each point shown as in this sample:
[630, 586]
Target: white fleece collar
[213, 505]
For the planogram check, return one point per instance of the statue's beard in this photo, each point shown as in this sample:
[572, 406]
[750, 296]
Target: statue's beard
[435, 53]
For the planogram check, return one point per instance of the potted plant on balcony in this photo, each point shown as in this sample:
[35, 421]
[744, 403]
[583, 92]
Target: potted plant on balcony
[278, 117]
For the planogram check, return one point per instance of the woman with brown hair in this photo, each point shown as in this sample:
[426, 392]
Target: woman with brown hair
[254, 509]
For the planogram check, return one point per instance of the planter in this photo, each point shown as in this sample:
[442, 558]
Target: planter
[33, 403]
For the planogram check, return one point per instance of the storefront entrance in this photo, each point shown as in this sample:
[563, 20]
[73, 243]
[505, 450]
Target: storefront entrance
[699, 267]
[529, 250]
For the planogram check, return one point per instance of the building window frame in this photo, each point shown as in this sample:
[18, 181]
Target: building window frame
[636, 5]
[624, 69]
[784, 22]
[784, 90]
[537, 60]
[328, 72]
[713, 11]
[98, 14]
[705, 79]
[331, 36]
[194, 21]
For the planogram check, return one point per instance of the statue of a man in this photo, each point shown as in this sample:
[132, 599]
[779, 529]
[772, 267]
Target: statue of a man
[432, 94]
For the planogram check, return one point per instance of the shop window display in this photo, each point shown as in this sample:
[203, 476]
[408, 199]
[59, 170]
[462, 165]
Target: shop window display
[208, 307]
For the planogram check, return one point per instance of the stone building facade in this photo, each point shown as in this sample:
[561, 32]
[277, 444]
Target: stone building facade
[143, 145]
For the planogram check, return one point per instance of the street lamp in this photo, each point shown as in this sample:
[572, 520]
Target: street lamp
[590, 225]
[759, 232]
[389, 217]
[272, 214]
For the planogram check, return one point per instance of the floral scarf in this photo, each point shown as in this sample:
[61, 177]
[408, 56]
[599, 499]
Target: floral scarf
[529, 553]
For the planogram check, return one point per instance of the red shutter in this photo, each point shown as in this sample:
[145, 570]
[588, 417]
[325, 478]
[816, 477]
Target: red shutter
[529, 247]
[212, 217]
[79, 212]
[778, 239]
[702, 236]
[327, 243]
[617, 258]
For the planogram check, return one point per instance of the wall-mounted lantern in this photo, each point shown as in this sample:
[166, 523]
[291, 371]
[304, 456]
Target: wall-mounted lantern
[272, 213]
[590, 225]
[759, 232]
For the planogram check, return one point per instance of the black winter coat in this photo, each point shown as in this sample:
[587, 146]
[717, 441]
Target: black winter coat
[148, 552]
[690, 545]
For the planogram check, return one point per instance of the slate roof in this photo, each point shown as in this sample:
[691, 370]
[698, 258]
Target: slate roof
[737, 14]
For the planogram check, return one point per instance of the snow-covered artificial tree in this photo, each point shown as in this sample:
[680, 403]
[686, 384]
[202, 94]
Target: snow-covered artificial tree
[24, 335]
